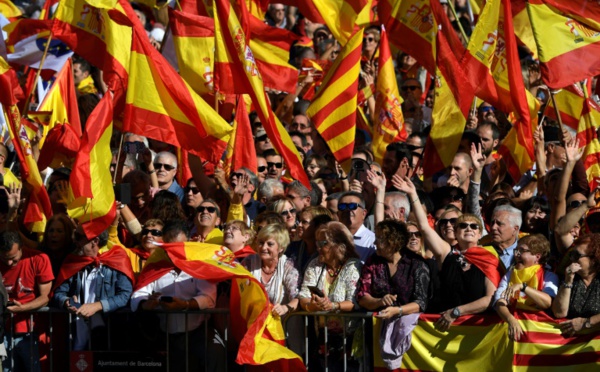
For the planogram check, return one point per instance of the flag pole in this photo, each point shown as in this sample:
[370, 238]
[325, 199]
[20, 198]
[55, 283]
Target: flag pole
[118, 158]
[556, 110]
[37, 76]
[462, 30]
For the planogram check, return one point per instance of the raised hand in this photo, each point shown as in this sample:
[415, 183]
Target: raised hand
[573, 151]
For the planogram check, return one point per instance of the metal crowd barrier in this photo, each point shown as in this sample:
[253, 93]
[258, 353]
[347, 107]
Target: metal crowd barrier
[50, 331]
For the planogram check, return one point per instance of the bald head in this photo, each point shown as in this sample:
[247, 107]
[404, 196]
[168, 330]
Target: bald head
[461, 169]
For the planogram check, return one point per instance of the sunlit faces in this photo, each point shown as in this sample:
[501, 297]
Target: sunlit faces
[207, 215]
[446, 225]
[325, 248]
[166, 169]
[467, 231]
[193, 196]
[351, 213]
[501, 229]
[274, 166]
[415, 241]
[524, 257]
[288, 212]
[233, 237]
[269, 249]
[151, 234]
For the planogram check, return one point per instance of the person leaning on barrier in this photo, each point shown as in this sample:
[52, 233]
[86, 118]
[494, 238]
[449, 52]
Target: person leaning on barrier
[27, 276]
[579, 295]
[167, 288]
[93, 281]
[528, 286]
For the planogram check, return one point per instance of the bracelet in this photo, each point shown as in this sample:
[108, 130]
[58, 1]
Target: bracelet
[379, 202]
[344, 178]
[401, 311]
[414, 201]
[565, 285]
[289, 308]
[524, 287]
[121, 206]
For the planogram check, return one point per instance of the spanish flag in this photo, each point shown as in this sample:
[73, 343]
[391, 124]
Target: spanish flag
[333, 110]
[161, 105]
[240, 150]
[569, 103]
[388, 118]
[522, 25]
[263, 337]
[92, 198]
[341, 16]
[567, 34]
[231, 37]
[194, 39]
[588, 137]
[90, 30]
[9, 10]
[197, 7]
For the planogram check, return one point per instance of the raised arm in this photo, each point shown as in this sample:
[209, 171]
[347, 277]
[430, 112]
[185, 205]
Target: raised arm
[559, 208]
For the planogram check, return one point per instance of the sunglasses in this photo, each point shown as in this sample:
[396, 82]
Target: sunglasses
[486, 109]
[261, 169]
[464, 225]
[231, 228]
[574, 255]
[444, 221]
[522, 250]
[322, 243]
[261, 138]
[575, 204]
[288, 212]
[236, 175]
[456, 197]
[412, 88]
[194, 190]
[276, 165]
[201, 209]
[348, 207]
[154, 232]
[369, 39]
[416, 234]
[168, 167]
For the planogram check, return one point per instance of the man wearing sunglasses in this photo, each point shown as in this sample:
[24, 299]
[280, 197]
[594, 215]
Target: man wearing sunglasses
[352, 213]
[165, 166]
[274, 164]
[208, 217]
[262, 142]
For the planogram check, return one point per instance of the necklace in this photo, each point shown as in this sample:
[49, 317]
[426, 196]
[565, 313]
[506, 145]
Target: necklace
[334, 272]
[268, 271]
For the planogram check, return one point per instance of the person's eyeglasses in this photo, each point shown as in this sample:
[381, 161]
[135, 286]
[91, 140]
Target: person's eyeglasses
[154, 232]
[236, 175]
[416, 234]
[464, 225]
[322, 243]
[369, 39]
[412, 88]
[288, 212]
[276, 165]
[457, 197]
[575, 204]
[486, 109]
[445, 221]
[261, 138]
[348, 207]
[194, 190]
[520, 250]
[261, 169]
[575, 255]
[201, 209]
[168, 167]
[231, 228]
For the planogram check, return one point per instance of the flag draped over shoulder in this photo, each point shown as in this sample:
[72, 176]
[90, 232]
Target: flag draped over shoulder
[231, 37]
[92, 33]
[567, 34]
[388, 120]
[249, 305]
[194, 39]
[333, 110]
[92, 202]
[161, 105]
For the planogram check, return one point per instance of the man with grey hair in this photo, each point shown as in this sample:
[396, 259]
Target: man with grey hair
[396, 206]
[299, 194]
[505, 225]
[269, 189]
[165, 166]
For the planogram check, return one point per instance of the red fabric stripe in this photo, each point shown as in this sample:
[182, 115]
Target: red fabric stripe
[340, 126]
[244, 154]
[342, 98]
[67, 92]
[467, 320]
[307, 8]
[412, 43]
[559, 72]
[96, 226]
[277, 77]
[194, 7]
[166, 129]
[485, 87]
[224, 79]
[581, 8]
[189, 25]
[345, 152]
[511, 164]
[549, 360]
[278, 37]
[26, 28]
[555, 339]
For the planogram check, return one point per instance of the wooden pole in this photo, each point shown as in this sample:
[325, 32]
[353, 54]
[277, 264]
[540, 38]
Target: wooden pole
[37, 76]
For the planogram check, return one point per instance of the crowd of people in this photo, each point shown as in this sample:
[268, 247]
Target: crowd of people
[378, 237]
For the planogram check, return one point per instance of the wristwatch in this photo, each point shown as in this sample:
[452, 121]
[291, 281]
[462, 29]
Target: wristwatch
[587, 324]
[455, 312]
[524, 287]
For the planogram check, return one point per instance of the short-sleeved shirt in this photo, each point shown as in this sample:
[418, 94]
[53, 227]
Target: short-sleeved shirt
[22, 280]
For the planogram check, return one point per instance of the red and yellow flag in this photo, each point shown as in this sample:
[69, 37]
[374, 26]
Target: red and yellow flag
[100, 32]
[522, 25]
[240, 150]
[197, 7]
[92, 202]
[569, 102]
[161, 105]
[194, 39]
[567, 34]
[388, 120]
[341, 16]
[9, 9]
[231, 38]
[263, 337]
[333, 110]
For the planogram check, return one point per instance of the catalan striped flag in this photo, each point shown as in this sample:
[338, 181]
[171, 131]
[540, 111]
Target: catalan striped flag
[568, 39]
[587, 133]
[569, 101]
[102, 39]
[241, 58]
[412, 28]
[263, 337]
[194, 39]
[388, 118]
[161, 105]
[92, 198]
[271, 48]
[333, 110]
[340, 16]
[481, 343]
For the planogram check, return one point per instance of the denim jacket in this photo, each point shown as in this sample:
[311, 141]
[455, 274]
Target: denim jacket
[113, 289]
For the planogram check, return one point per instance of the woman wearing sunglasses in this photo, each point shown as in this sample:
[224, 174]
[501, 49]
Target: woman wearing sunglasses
[468, 273]
[445, 225]
[151, 233]
[528, 286]
[579, 295]
[285, 207]
[330, 283]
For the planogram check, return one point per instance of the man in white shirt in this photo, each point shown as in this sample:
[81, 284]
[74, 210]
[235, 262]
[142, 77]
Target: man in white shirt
[352, 213]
